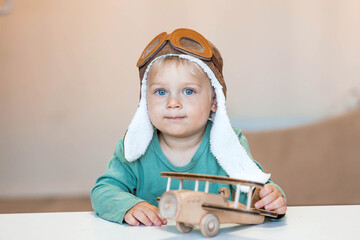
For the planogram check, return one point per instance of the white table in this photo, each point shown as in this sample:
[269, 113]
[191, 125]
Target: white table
[317, 222]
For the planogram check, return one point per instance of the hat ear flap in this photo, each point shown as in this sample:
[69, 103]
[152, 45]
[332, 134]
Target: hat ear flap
[228, 151]
[139, 133]
[141, 130]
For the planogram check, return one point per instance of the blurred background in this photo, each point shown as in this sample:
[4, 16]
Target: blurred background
[69, 87]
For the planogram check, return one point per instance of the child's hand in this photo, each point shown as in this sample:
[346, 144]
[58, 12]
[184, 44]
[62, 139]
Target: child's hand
[271, 199]
[144, 213]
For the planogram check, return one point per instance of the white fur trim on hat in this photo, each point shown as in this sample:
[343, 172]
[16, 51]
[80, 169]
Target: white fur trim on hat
[224, 143]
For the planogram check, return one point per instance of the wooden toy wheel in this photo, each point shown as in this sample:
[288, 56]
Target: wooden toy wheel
[209, 225]
[183, 228]
[224, 192]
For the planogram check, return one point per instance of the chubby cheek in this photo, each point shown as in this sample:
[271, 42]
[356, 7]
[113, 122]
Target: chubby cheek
[201, 114]
[155, 109]
[198, 112]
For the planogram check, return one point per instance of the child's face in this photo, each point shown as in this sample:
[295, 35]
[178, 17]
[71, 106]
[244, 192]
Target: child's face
[179, 103]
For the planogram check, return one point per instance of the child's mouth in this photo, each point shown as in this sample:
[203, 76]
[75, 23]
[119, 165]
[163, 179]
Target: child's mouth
[175, 118]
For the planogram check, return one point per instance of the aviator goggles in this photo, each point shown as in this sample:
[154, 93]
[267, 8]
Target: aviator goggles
[183, 40]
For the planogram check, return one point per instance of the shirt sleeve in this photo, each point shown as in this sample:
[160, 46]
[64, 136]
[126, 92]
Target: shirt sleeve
[113, 193]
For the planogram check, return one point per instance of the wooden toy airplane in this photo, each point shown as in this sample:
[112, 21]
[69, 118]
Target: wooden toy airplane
[189, 208]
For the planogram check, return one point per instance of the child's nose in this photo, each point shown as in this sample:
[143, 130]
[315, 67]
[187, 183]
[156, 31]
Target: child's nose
[173, 103]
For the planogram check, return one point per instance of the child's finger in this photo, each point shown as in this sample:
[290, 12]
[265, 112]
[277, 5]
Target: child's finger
[129, 218]
[277, 203]
[266, 200]
[163, 220]
[156, 210]
[154, 218]
[281, 210]
[266, 190]
[141, 217]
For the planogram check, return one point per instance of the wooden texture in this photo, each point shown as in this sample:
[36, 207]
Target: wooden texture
[210, 178]
[190, 208]
[253, 211]
[317, 164]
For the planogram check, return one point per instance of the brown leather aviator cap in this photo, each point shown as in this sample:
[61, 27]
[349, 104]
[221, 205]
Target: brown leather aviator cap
[183, 41]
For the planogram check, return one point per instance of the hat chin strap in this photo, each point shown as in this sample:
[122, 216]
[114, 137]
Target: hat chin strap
[224, 143]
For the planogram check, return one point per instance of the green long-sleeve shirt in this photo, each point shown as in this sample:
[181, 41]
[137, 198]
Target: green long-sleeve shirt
[113, 194]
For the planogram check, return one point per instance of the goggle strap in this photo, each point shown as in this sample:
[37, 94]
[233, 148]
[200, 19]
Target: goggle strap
[217, 64]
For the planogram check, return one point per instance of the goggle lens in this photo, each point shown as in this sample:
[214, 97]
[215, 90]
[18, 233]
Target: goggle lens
[188, 43]
[150, 48]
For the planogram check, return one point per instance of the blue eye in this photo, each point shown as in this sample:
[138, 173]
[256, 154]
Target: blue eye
[188, 91]
[161, 92]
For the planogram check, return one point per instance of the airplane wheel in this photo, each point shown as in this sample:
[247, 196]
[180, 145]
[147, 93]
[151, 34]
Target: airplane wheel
[183, 228]
[209, 225]
[224, 192]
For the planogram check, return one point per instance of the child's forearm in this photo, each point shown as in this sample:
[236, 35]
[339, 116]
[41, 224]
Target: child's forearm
[111, 202]
[112, 197]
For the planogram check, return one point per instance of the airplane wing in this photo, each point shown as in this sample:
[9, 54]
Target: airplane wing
[215, 207]
[210, 178]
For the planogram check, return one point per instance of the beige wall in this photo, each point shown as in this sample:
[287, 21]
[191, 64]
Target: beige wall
[69, 85]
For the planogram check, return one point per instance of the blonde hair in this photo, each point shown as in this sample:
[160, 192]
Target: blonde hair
[192, 67]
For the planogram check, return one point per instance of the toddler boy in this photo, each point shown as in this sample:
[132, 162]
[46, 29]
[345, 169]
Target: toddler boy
[181, 125]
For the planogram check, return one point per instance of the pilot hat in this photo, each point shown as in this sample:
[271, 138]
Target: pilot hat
[224, 143]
